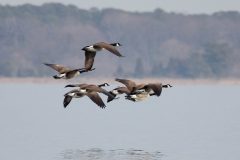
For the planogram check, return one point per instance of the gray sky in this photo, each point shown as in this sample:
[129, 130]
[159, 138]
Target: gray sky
[183, 6]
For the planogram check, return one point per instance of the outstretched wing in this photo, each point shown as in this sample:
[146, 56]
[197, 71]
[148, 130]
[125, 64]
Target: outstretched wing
[94, 96]
[94, 88]
[157, 88]
[128, 83]
[122, 90]
[108, 47]
[89, 59]
[59, 68]
[67, 100]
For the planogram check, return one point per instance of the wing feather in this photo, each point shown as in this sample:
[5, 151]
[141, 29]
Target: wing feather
[108, 47]
[94, 96]
[157, 88]
[128, 83]
[59, 68]
[89, 59]
[67, 100]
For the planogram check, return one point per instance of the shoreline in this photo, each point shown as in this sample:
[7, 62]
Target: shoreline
[173, 81]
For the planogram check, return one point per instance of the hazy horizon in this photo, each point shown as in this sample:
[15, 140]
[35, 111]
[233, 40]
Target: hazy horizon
[185, 6]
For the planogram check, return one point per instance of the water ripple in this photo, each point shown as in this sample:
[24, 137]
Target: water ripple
[117, 154]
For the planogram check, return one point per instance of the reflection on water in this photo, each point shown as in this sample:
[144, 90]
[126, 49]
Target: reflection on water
[118, 154]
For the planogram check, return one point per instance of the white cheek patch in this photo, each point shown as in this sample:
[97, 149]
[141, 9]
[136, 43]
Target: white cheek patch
[83, 90]
[71, 94]
[62, 75]
[91, 48]
[115, 92]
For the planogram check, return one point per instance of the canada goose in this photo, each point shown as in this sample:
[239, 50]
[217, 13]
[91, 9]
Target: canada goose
[151, 89]
[140, 92]
[155, 88]
[90, 90]
[65, 72]
[90, 52]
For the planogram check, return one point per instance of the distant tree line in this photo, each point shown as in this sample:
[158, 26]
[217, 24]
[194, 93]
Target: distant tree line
[155, 44]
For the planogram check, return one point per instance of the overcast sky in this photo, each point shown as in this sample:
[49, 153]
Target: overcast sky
[183, 6]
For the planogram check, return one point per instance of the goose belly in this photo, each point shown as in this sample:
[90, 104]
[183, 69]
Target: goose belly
[63, 75]
[76, 74]
[115, 92]
[82, 91]
[151, 92]
[139, 97]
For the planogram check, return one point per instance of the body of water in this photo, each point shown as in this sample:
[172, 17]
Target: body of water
[187, 122]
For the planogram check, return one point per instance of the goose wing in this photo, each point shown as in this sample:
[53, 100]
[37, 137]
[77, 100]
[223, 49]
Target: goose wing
[77, 85]
[108, 47]
[128, 83]
[94, 96]
[89, 59]
[157, 88]
[67, 100]
[94, 88]
[122, 90]
[59, 68]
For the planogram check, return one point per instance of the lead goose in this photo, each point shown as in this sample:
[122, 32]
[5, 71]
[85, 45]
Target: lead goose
[91, 50]
[151, 89]
[65, 72]
[89, 90]
[139, 92]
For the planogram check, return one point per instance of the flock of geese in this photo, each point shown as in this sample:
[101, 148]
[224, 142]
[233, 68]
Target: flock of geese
[133, 91]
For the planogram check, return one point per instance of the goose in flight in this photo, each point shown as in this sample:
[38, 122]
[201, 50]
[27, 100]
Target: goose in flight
[150, 89]
[89, 90]
[91, 50]
[65, 72]
[137, 92]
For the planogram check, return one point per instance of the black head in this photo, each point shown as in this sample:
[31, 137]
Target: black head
[85, 48]
[103, 85]
[106, 84]
[56, 77]
[167, 86]
[70, 85]
[116, 44]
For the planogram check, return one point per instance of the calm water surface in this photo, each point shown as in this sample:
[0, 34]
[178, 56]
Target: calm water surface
[188, 122]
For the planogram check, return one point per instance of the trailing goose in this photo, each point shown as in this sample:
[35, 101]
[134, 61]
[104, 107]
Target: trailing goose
[89, 90]
[65, 72]
[91, 50]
